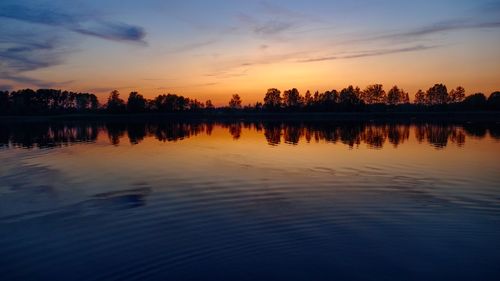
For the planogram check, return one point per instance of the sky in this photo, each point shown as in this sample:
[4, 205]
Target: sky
[213, 49]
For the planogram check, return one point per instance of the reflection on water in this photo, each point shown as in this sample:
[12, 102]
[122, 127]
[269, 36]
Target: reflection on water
[47, 135]
[249, 201]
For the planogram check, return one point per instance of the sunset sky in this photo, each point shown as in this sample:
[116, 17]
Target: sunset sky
[212, 49]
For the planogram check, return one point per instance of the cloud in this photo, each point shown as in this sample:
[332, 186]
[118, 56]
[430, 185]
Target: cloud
[269, 26]
[34, 37]
[22, 51]
[25, 55]
[444, 27]
[228, 74]
[21, 79]
[272, 27]
[86, 25]
[374, 53]
[193, 46]
[114, 31]
[197, 85]
[6, 87]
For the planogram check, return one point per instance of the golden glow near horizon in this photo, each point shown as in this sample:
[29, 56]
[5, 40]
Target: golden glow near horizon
[213, 50]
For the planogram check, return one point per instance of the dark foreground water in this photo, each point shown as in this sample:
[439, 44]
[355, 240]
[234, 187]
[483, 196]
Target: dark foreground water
[249, 201]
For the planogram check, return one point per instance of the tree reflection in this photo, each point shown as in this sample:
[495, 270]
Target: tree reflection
[352, 134]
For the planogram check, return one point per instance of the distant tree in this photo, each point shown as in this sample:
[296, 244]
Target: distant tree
[4, 102]
[209, 105]
[115, 103]
[136, 103]
[83, 102]
[94, 102]
[457, 95]
[292, 98]
[437, 94]
[258, 106]
[350, 96]
[494, 101]
[308, 99]
[374, 94]
[328, 100]
[272, 100]
[406, 97]
[195, 105]
[393, 96]
[420, 98]
[235, 102]
[170, 103]
[316, 97]
[397, 96]
[475, 102]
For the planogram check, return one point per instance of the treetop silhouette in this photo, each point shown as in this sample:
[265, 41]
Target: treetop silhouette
[373, 98]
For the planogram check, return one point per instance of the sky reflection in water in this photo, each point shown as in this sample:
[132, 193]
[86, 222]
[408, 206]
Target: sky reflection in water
[249, 201]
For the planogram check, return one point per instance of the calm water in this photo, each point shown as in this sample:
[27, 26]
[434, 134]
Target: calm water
[249, 201]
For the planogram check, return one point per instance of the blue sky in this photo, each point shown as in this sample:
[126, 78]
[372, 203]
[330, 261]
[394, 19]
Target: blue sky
[215, 48]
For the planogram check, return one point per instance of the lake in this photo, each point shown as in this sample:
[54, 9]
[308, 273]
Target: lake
[241, 200]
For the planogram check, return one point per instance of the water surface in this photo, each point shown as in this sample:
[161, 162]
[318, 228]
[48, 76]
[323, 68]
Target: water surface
[249, 201]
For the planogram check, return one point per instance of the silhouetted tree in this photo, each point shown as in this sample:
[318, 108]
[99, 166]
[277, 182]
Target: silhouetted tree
[209, 105]
[475, 102]
[235, 102]
[4, 102]
[195, 105]
[327, 101]
[292, 99]
[349, 97]
[272, 100]
[50, 101]
[136, 103]
[170, 103]
[308, 99]
[406, 97]
[437, 94]
[83, 102]
[374, 94]
[115, 103]
[397, 96]
[457, 95]
[420, 98]
[258, 106]
[494, 101]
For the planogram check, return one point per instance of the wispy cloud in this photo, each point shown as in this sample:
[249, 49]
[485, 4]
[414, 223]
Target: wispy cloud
[267, 26]
[114, 31]
[6, 87]
[373, 53]
[197, 85]
[228, 74]
[22, 79]
[442, 27]
[41, 41]
[27, 51]
[109, 89]
[33, 54]
[86, 25]
[272, 27]
[192, 46]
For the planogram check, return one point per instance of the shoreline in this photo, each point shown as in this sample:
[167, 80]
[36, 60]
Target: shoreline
[487, 116]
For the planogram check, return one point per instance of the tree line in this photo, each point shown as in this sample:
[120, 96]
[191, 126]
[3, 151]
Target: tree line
[373, 98]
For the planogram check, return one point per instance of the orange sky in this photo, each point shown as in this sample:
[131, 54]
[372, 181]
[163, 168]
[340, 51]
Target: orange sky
[213, 50]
